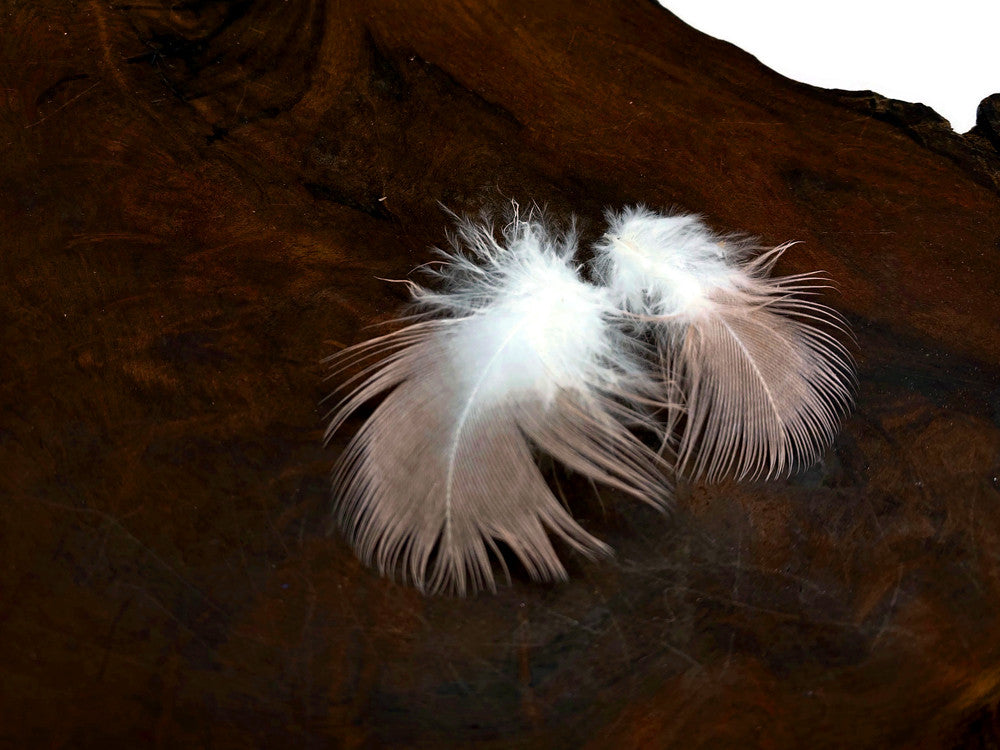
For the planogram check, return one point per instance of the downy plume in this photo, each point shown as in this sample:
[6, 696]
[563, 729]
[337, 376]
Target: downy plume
[765, 380]
[514, 353]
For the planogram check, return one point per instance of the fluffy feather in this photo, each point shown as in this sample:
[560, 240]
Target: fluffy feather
[764, 380]
[515, 353]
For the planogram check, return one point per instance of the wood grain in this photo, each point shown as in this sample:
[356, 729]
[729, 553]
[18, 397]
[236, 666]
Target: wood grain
[198, 203]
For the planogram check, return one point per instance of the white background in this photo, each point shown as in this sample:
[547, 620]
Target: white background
[945, 54]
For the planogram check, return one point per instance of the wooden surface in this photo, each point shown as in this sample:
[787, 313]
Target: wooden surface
[197, 202]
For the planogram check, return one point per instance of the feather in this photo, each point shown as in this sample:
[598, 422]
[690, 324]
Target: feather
[514, 353]
[756, 360]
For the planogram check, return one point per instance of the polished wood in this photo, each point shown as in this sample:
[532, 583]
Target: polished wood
[199, 201]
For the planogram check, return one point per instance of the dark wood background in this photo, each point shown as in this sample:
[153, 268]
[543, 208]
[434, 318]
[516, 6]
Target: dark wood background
[196, 202]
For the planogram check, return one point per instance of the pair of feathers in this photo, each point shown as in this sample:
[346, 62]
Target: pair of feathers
[683, 336]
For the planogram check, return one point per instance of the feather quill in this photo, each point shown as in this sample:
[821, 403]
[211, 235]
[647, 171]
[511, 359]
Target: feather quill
[764, 378]
[515, 353]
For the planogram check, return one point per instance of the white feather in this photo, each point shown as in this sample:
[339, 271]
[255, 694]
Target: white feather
[764, 380]
[514, 353]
